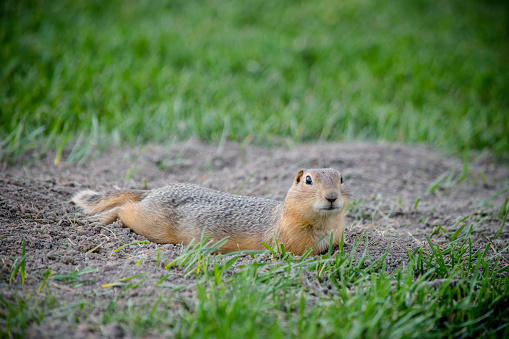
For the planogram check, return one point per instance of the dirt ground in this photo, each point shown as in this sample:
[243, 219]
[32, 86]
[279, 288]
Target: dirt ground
[386, 180]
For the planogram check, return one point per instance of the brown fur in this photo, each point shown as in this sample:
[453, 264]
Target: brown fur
[178, 213]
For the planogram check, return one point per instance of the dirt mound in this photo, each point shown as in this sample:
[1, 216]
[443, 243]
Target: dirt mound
[401, 194]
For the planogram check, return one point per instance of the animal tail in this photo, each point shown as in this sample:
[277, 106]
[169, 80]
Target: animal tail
[92, 202]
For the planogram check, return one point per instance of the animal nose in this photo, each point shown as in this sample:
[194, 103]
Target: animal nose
[331, 197]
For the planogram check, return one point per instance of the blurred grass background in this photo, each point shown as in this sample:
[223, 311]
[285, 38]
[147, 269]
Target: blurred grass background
[88, 74]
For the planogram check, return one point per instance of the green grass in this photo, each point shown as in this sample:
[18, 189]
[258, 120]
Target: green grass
[88, 74]
[85, 75]
[451, 290]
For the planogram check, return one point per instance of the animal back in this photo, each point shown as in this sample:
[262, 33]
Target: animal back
[221, 213]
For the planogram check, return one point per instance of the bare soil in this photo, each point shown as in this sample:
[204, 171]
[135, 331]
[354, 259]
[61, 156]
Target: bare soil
[390, 183]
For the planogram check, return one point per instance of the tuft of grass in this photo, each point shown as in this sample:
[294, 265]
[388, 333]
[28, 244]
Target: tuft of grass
[19, 266]
[129, 244]
[75, 278]
[128, 285]
[503, 214]
[193, 256]
[444, 181]
[85, 75]
[16, 314]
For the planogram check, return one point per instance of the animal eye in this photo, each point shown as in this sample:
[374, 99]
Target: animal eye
[308, 180]
[341, 178]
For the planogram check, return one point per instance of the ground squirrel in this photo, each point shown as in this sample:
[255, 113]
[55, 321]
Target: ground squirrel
[313, 208]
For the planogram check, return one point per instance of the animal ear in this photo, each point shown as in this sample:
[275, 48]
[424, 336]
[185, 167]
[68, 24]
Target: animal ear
[299, 175]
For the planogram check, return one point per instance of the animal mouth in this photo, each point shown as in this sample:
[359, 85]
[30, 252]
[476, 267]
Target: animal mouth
[329, 207]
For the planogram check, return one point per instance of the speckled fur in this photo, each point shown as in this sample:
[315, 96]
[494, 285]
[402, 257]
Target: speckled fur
[177, 213]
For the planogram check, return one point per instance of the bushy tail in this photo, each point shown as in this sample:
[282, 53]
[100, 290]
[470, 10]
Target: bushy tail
[92, 202]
